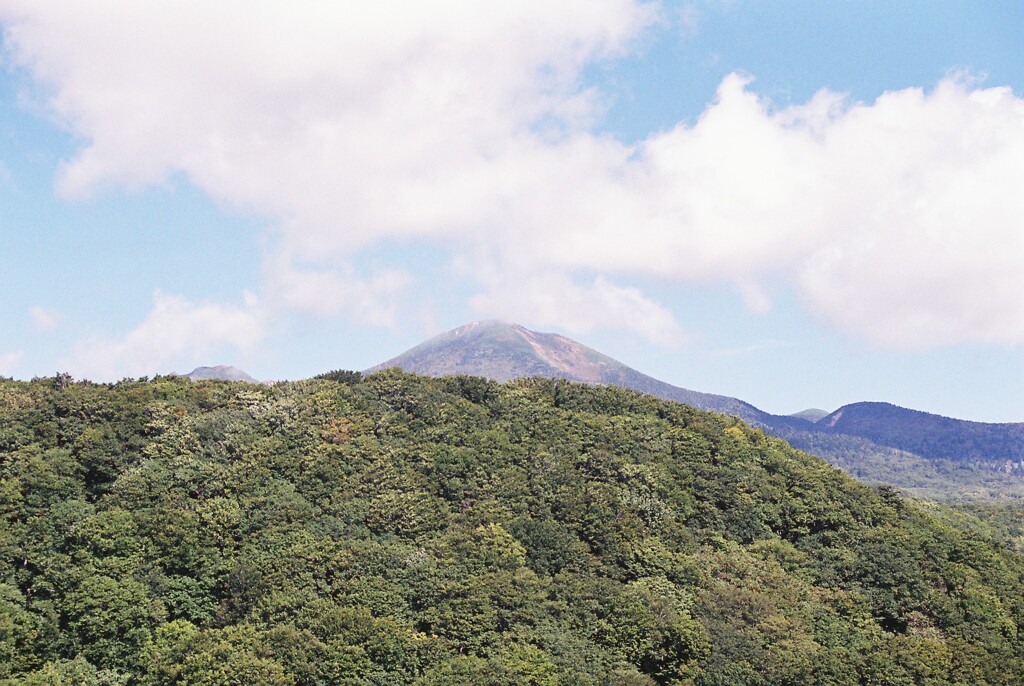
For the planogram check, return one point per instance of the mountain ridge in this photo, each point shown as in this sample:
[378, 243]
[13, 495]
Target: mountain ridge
[877, 441]
[473, 349]
[925, 433]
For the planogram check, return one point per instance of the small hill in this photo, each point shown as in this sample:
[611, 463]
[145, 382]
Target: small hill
[222, 371]
[812, 415]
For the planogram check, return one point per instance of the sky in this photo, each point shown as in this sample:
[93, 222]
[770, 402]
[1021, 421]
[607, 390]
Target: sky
[797, 203]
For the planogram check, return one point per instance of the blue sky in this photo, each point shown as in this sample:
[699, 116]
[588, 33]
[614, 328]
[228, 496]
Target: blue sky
[801, 204]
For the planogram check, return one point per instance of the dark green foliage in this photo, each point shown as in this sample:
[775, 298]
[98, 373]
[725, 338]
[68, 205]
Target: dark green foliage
[344, 376]
[394, 529]
[934, 478]
[928, 455]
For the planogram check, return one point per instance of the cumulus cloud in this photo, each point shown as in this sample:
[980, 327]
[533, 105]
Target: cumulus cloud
[377, 115]
[926, 246]
[894, 220]
[554, 301]
[174, 335]
[464, 125]
[372, 300]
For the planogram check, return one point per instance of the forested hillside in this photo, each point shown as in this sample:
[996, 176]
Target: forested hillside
[930, 435]
[934, 457]
[405, 530]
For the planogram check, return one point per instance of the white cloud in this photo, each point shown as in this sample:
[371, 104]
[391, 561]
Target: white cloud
[326, 292]
[9, 362]
[921, 240]
[43, 319]
[463, 125]
[554, 301]
[174, 335]
[349, 121]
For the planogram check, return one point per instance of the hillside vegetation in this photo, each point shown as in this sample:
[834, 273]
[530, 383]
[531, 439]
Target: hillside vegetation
[405, 530]
[927, 455]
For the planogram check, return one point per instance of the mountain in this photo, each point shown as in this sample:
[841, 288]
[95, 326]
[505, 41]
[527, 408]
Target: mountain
[933, 456]
[222, 371]
[502, 351]
[930, 435]
[414, 531]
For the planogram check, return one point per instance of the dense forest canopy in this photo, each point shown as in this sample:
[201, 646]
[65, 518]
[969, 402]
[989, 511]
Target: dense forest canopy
[397, 529]
[933, 457]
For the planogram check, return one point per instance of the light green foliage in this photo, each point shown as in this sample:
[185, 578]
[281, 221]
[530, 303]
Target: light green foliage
[401, 530]
[76, 672]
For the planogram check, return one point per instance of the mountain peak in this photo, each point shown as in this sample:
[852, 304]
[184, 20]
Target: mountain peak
[502, 351]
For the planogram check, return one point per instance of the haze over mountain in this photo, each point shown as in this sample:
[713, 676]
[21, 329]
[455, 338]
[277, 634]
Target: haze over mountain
[874, 441]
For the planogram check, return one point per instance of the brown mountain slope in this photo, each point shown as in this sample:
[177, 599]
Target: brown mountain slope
[502, 351]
